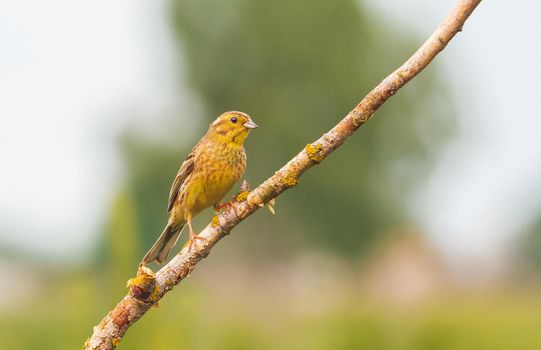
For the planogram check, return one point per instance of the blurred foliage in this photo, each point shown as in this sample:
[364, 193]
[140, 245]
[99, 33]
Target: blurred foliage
[198, 319]
[528, 249]
[297, 67]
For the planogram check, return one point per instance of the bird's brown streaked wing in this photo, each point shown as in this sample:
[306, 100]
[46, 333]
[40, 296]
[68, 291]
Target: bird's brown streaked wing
[185, 169]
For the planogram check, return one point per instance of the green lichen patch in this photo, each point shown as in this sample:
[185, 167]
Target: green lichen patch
[314, 152]
[241, 197]
[290, 181]
[115, 341]
[155, 295]
[215, 221]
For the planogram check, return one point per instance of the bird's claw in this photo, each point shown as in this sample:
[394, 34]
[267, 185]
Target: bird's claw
[193, 239]
[218, 207]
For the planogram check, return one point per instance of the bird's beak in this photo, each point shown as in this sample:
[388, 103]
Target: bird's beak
[250, 124]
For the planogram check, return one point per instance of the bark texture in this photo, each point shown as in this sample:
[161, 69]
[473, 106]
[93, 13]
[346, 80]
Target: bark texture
[147, 288]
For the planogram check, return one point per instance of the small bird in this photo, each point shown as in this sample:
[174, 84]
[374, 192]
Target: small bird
[213, 166]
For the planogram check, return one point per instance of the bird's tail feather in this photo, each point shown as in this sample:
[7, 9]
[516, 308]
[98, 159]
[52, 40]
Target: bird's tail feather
[160, 250]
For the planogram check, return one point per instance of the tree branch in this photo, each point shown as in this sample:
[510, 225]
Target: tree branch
[147, 289]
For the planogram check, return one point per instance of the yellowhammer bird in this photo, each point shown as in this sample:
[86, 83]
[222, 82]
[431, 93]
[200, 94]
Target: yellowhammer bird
[208, 173]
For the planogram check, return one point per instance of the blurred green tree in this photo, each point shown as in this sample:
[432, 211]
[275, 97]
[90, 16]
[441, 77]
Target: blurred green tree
[529, 248]
[297, 67]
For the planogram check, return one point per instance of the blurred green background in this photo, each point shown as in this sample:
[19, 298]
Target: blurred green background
[344, 264]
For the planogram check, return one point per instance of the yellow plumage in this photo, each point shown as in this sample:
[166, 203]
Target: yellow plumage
[208, 173]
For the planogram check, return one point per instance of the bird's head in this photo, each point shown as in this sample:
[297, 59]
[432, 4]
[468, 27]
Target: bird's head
[233, 126]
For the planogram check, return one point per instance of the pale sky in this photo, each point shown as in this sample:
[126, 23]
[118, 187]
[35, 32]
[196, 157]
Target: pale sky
[72, 73]
[486, 188]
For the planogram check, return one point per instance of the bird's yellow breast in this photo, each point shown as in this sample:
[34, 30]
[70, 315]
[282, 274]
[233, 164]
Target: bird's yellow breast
[217, 169]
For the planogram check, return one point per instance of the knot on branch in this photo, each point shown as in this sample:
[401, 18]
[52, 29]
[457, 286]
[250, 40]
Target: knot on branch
[358, 117]
[143, 287]
[315, 152]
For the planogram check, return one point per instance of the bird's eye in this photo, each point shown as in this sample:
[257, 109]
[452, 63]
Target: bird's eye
[234, 119]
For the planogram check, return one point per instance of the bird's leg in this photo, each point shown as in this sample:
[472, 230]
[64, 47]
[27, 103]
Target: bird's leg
[193, 236]
[219, 206]
[239, 197]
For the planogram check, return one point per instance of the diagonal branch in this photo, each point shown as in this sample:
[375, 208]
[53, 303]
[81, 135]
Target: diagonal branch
[147, 289]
